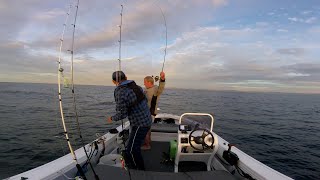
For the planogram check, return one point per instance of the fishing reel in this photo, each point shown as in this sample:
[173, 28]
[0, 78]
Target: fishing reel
[123, 136]
[231, 157]
[156, 79]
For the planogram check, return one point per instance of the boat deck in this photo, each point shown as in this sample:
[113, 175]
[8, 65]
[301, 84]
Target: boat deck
[114, 173]
[157, 169]
[154, 158]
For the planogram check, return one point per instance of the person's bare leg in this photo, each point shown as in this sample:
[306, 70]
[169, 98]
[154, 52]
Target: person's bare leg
[149, 136]
[147, 141]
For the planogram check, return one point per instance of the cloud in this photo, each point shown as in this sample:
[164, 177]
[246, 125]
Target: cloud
[3, 5]
[204, 53]
[28, 21]
[305, 69]
[282, 30]
[309, 20]
[306, 12]
[19, 65]
[294, 19]
[48, 15]
[142, 23]
[218, 3]
[262, 24]
[204, 56]
[204, 45]
[315, 29]
[297, 74]
[271, 13]
[292, 51]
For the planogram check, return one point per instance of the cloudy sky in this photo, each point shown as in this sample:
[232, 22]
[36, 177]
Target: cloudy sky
[244, 45]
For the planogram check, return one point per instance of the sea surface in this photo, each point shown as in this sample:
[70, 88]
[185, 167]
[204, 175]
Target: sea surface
[278, 129]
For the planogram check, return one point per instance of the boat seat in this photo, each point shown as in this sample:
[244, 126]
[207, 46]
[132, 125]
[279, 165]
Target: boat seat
[116, 173]
[164, 128]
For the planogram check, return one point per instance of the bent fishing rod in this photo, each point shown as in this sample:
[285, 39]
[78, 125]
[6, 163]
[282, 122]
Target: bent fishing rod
[60, 73]
[165, 49]
[166, 44]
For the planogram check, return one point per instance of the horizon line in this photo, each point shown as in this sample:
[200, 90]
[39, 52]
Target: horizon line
[181, 88]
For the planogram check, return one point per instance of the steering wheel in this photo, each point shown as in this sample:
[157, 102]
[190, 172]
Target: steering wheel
[203, 140]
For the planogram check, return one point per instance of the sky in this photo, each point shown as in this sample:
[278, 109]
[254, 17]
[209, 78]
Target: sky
[241, 45]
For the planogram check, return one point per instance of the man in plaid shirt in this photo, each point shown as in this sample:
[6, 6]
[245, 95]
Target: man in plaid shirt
[132, 103]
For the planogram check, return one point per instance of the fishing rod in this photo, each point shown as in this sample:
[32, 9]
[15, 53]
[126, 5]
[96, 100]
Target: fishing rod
[165, 49]
[73, 93]
[60, 73]
[119, 59]
[118, 78]
[120, 28]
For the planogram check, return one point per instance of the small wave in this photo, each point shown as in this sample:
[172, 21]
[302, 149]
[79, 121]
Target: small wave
[28, 93]
[15, 150]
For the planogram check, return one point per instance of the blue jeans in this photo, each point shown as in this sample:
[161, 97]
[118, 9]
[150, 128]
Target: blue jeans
[132, 153]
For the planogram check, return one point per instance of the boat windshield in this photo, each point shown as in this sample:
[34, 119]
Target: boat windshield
[202, 121]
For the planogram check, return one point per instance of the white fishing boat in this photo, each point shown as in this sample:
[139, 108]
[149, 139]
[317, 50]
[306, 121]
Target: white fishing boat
[183, 147]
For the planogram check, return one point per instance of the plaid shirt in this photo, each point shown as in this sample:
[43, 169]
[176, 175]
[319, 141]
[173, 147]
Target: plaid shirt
[139, 114]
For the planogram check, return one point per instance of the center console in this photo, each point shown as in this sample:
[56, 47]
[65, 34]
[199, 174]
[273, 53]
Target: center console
[194, 143]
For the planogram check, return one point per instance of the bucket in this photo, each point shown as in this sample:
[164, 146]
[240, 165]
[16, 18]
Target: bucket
[173, 149]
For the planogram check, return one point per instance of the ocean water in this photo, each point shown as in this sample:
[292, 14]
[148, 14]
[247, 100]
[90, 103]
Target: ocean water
[278, 129]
